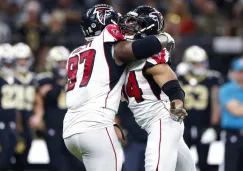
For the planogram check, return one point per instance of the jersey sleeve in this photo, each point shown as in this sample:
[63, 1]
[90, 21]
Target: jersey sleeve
[217, 78]
[112, 33]
[160, 58]
[42, 79]
[220, 80]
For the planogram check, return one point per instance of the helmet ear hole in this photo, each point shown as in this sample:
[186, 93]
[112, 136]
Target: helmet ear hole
[96, 19]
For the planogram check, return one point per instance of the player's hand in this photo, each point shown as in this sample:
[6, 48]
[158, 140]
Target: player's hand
[35, 121]
[45, 89]
[170, 41]
[177, 112]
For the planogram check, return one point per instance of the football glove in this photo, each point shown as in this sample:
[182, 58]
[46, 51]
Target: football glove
[170, 41]
[177, 112]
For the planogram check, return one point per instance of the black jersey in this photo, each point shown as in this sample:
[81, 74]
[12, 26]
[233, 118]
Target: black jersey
[55, 99]
[198, 96]
[25, 92]
[7, 98]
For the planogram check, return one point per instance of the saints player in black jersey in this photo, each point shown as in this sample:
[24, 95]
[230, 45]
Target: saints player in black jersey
[26, 99]
[52, 88]
[7, 106]
[201, 88]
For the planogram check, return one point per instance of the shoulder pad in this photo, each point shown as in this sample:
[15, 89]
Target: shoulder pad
[78, 49]
[160, 58]
[216, 76]
[213, 73]
[112, 33]
[32, 75]
[44, 75]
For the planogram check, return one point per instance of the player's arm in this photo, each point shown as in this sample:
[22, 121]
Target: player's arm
[166, 79]
[126, 51]
[38, 111]
[49, 91]
[19, 124]
[215, 113]
[44, 86]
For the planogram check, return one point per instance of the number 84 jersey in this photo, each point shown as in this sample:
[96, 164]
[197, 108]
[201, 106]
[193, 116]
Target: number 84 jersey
[145, 98]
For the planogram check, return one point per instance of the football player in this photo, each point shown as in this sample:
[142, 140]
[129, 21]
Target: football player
[7, 106]
[26, 99]
[52, 85]
[95, 77]
[201, 87]
[156, 98]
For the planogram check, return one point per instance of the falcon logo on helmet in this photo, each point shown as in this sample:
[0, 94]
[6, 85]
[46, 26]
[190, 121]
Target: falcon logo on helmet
[96, 19]
[142, 21]
[102, 13]
[157, 17]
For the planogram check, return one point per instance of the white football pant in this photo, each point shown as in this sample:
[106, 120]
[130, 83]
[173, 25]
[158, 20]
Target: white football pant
[99, 150]
[166, 149]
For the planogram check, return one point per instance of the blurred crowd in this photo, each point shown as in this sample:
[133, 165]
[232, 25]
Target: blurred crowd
[45, 24]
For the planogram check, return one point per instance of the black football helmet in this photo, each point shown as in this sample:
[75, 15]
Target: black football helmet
[96, 19]
[142, 21]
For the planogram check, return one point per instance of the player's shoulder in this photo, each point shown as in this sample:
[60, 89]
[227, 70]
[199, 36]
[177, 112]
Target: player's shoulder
[181, 77]
[214, 74]
[112, 33]
[33, 75]
[44, 76]
[185, 78]
[4, 79]
[27, 78]
[160, 58]
[79, 49]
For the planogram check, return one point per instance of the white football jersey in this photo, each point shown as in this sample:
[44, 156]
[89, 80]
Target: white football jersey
[145, 98]
[94, 84]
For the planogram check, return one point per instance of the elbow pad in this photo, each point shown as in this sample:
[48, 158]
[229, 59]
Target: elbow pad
[146, 47]
[173, 90]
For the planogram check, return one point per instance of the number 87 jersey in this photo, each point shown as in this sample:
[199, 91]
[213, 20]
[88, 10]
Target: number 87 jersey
[145, 98]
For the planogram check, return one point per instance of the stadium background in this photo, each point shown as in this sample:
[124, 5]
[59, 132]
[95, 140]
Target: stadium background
[215, 25]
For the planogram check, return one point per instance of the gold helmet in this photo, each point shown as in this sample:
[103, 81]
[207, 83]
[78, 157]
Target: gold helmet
[57, 55]
[23, 56]
[6, 58]
[197, 59]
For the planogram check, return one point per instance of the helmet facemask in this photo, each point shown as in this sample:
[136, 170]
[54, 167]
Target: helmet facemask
[197, 59]
[23, 65]
[23, 57]
[145, 21]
